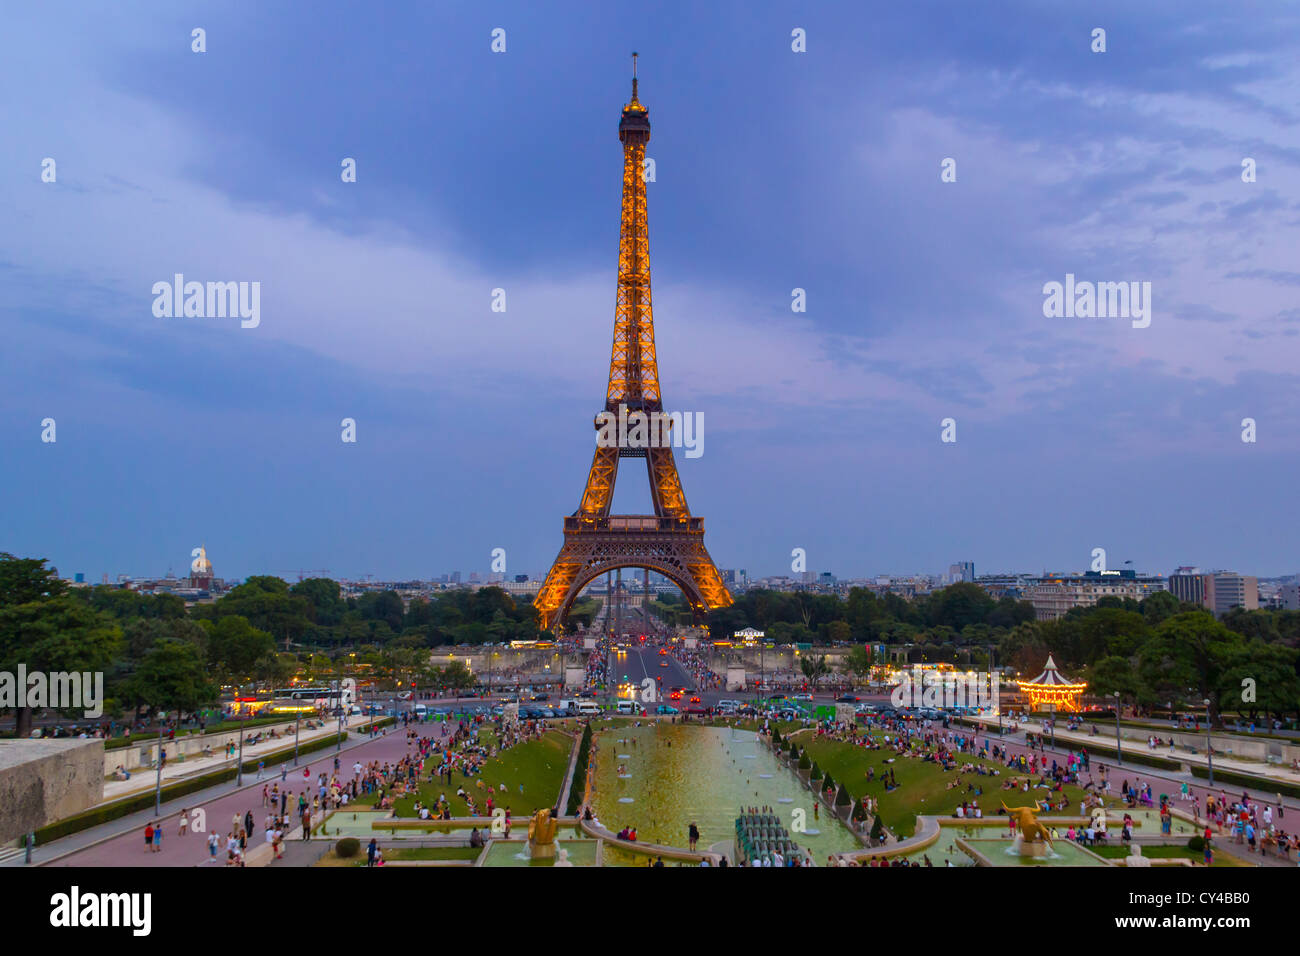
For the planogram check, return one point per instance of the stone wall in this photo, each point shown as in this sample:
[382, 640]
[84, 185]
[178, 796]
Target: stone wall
[46, 780]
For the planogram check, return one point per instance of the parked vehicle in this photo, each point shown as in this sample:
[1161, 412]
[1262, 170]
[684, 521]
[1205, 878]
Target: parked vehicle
[588, 708]
[630, 707]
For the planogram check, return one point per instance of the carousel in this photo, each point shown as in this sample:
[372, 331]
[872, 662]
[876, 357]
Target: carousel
[1051, 690]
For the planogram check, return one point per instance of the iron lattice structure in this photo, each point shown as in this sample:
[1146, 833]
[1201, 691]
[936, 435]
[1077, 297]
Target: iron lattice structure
[671, 541]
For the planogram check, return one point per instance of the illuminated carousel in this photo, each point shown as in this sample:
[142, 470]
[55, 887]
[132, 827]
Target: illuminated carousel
[1051, 690]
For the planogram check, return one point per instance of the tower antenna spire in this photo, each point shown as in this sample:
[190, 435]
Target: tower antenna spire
[634, 99]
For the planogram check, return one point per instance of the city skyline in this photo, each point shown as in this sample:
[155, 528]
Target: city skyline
[485, 575]
[823, 427]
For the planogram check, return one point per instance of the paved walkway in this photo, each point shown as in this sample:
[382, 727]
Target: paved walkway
[121, 842]
[1222, 761]
[146, 778]
[1288, 818]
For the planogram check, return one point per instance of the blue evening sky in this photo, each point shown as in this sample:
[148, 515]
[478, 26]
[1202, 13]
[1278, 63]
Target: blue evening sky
[775, 170]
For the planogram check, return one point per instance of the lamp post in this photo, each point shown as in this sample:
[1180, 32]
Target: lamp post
[157, 789]
[1119, 753]
[239, 771]
[992, 676]
[297, 721]
[1209, 745]
[338, 701]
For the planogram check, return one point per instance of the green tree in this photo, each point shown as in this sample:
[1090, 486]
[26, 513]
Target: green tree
[235, 647]
[857, 661]
[24, 580]
[814, 669]
[172, 676]
[54, 634]
[1188, 658]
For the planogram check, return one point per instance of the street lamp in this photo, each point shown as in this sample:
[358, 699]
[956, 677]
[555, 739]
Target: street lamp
[1119, 753]
[239, 771]
[297, 722]
[157, 790]
[338, 701]
[1209, 745]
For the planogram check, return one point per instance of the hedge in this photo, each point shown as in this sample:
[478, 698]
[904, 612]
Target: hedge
[578, 787]
[116, 743]
[144, 800]
[1132, 755]
[1266, 784]
[382, 722]
[347, 847]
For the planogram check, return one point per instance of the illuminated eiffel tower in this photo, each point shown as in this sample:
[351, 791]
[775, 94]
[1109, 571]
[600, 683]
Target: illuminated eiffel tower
[671, 541]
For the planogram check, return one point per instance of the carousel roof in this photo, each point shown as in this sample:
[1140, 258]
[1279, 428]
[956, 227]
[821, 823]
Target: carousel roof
[1050, 677]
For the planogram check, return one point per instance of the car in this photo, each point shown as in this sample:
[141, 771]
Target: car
[695, 700]
[665, 709]
[777, 697]
[675, 695]
[847, 699]
[404, 695]
[803, 696]
[663, 652]
[663, 663]
[541, 697]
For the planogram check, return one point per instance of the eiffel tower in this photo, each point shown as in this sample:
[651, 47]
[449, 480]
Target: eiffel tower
[671, 541]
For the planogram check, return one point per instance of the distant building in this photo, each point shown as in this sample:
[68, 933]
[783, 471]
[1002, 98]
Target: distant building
[962, 571]
[1233, 590]
[200, 570]
[1217, 591]
[1004, 585]
[1187, 584]
[1290, 596]
[1053, 596]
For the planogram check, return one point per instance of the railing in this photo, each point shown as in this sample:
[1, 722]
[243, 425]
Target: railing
[635, 524]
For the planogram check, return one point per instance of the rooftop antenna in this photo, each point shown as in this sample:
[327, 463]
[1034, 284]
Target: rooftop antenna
[634, 76]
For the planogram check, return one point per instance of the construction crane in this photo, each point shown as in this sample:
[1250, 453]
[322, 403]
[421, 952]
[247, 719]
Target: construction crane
[313, 572]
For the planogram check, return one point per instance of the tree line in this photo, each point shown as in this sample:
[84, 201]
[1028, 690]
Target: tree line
[156, 653]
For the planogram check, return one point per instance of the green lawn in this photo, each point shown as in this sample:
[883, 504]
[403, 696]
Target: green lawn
[1166, 853]
[538, 766]
[433, 853]
[922, 787]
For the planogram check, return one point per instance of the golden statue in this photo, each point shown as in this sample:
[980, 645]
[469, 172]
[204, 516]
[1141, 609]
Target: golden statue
[1031, 831]
[541, 834]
